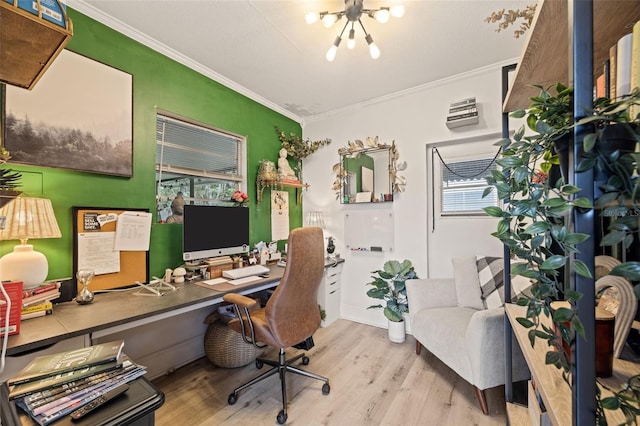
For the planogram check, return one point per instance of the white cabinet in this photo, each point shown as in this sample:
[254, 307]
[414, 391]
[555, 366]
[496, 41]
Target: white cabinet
[329, 292]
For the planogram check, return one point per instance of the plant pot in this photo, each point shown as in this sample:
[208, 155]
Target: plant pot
[396, 331]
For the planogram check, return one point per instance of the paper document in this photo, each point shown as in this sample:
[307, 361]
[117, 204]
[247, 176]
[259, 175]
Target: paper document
[215, 281]
[133, 231]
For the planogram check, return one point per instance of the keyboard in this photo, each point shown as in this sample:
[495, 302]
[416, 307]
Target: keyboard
[234, 274]
[244, 280]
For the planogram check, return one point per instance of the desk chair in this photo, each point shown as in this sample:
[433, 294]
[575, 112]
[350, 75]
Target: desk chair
[290, 316]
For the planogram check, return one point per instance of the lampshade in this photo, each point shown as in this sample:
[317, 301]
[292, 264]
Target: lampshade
[22, 219]
[315, 219]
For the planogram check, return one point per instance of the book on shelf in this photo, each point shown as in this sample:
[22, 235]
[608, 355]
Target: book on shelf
[463, 113]
[453, 110]
[606, 72]
[40, 297]
[635, 65]
[36, 314]
[462, 116]
[14, 291]
[40, 289]
[55, 364]
[600, 90]
[40, 385]
[613, 55]
[42, 306]
[623, 66]
[463, 102]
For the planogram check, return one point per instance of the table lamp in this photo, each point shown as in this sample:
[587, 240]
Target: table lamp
[25, 218]
[316, 218]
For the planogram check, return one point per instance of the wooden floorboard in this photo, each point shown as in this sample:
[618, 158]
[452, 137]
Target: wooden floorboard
[373, 382]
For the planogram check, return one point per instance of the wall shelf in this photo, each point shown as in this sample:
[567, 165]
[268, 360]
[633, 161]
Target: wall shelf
[545, 59]
[30, 43]
[277, 184]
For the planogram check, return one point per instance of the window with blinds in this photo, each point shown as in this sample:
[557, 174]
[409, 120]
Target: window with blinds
[197, 163]
[463, 184]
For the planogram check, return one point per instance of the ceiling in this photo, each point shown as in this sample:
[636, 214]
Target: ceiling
[265, 50]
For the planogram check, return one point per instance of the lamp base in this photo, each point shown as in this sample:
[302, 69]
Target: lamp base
[26, 265]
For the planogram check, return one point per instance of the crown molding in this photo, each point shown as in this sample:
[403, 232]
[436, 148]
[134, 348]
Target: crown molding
[117, 25]
[406, 92]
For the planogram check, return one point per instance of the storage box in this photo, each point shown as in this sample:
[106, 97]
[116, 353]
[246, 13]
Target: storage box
[14, 290]
[215, 271]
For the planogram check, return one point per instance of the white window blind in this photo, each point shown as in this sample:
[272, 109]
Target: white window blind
[203, 164]
[463, 183]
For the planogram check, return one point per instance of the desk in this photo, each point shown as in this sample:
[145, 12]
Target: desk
[121, 310]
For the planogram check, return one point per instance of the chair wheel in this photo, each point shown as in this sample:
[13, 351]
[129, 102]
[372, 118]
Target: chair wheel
[259, 364]
[234, 397]
[326, 389]
[282, 417]
[305, 360]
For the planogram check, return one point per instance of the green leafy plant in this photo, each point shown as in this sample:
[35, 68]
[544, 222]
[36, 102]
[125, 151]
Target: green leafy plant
[508, 18]
[299, 148]
[389, 285]
[534, 222]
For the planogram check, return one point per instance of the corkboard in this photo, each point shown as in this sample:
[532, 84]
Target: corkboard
[134, 265]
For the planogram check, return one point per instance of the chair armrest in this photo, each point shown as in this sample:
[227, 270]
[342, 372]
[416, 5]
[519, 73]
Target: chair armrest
[430, 293]
[240, 300]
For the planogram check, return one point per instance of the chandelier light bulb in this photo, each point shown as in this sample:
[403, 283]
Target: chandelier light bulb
[397, 11]
[331, 53]
[373, 49]
[311, 18]
[382, 15]
[351, 41]
[329, 19]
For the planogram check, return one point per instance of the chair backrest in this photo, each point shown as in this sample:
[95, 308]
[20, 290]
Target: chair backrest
[292, 311]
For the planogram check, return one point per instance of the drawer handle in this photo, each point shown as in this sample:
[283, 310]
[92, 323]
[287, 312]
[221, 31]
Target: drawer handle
[333, 291]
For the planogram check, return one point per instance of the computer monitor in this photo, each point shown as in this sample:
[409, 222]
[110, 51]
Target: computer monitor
[210, 231]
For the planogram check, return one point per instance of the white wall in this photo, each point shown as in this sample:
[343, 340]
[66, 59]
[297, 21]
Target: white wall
[413, 119]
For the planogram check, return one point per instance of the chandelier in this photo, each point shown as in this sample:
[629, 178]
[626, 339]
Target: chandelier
[353, 11]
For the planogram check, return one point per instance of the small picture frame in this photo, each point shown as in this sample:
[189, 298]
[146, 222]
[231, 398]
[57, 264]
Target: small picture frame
[363, 197]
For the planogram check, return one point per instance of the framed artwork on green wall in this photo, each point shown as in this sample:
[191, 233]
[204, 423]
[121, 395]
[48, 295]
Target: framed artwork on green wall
[79, 116]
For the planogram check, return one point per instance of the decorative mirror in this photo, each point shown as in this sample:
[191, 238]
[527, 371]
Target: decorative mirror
[367, 172]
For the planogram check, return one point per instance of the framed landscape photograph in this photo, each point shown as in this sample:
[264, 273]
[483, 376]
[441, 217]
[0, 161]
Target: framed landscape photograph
[79, 116]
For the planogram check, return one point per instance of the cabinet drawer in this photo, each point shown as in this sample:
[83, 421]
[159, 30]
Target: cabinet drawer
[332, 271]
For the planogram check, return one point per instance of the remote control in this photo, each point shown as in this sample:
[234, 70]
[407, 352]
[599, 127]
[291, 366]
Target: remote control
[86, 409]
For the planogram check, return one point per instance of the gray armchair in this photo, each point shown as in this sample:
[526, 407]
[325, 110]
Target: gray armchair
[449, 319]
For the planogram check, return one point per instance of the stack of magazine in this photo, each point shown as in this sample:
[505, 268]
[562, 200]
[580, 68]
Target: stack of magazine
[53, 386]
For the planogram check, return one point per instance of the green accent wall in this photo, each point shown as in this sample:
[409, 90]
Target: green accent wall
[158, 83]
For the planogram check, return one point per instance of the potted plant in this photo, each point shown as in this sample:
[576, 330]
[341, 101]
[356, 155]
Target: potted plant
[389, 285]
[298, 148]
[9, 179]
[534, 220]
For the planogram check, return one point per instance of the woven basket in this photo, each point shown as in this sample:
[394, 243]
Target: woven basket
[225, 348]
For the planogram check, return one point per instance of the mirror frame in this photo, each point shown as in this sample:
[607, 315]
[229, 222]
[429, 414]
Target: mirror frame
[354, 150]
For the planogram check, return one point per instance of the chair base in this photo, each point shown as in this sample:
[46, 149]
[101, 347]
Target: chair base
[281, 366]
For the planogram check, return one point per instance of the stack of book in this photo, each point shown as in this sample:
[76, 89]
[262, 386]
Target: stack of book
[462, 113]
[36, 302]
[53, 386]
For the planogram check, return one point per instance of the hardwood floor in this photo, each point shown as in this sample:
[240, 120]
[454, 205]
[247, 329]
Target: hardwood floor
[373, 382]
